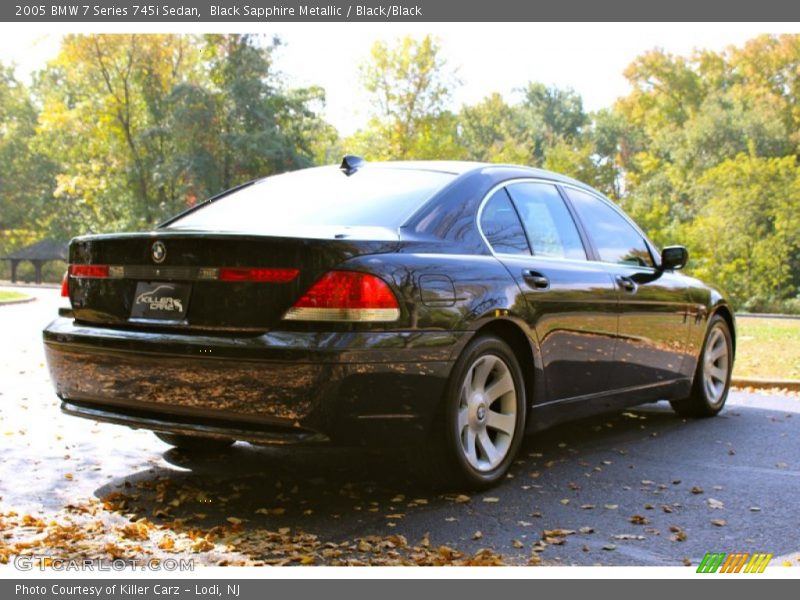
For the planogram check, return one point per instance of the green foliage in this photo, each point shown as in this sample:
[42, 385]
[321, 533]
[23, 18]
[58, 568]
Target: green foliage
[409, 88]
[747, 231]
[712, 161]
[26, 174]
[121, 131]
[140, 127]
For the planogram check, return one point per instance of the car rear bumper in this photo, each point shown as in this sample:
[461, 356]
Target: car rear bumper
[280, 387]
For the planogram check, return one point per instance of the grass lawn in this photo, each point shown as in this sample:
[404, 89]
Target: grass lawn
[768, 348]
[11, 296]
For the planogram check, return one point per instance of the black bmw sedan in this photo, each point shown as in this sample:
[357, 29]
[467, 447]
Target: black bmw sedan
[445, 308]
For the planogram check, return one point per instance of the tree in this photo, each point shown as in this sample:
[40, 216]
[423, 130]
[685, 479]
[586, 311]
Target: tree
[26, 175]
[143, 126]
[747, 233]
[410, 88]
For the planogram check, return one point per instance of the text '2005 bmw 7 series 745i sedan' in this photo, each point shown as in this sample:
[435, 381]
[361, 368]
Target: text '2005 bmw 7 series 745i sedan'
[445, 308]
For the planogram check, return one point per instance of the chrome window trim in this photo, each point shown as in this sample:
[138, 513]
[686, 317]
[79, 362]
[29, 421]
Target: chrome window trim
[556, 184]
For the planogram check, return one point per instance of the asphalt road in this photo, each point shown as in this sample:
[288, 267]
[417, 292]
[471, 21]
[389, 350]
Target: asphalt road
[642, 487]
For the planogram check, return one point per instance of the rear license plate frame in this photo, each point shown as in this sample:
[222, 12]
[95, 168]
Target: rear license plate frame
[164, 301]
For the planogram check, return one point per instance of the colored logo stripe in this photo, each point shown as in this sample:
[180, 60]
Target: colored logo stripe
[734, 563]
[758, 563]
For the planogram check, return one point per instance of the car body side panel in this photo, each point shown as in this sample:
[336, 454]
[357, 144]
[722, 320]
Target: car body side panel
[575, 319]
[653, 326]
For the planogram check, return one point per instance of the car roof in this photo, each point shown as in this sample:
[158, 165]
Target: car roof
[463, 167]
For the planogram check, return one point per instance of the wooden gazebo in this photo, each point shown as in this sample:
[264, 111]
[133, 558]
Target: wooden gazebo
[38, 253]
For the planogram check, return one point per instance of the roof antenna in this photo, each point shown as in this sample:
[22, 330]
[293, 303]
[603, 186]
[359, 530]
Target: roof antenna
[351, 163]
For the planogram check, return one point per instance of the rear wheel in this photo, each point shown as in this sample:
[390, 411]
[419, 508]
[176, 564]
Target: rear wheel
[712, 378]
[481, 426]
[194, 443]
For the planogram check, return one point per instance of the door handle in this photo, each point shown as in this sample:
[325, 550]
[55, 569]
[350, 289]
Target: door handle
[626, 283]
[536, 279]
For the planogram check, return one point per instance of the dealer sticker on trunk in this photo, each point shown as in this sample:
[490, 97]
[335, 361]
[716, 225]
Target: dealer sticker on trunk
[160, 300]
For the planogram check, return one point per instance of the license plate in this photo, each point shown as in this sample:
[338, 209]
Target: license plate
[161, 301]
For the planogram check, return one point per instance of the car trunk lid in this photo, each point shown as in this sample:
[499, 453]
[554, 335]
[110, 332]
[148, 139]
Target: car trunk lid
[198, 280]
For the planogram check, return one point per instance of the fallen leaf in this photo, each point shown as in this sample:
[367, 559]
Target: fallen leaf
[477, 535]
[491, 499]
[719, 522]
[587, 506]
[715, 504]
[679, 534]
[167, 543]
[612, 506]
[639, 520]
[610, 547]
[696, 490]
[557, 532]
[586, 529]
[627, 536]
[271, 511]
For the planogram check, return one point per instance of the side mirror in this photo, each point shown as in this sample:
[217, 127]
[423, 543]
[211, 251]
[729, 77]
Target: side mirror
[674, 257]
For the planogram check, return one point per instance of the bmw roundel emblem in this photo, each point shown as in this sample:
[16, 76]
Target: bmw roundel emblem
[159, 252]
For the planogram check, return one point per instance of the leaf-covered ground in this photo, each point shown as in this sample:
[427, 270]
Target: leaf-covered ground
[639, 487]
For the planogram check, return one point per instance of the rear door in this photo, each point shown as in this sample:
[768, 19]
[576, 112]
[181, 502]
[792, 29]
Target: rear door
[567, 300]
[653, 308]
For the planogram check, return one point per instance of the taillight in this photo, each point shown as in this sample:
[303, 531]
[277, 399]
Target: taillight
[257, 275]
[65, 285]
[346, 296]
[89, 271]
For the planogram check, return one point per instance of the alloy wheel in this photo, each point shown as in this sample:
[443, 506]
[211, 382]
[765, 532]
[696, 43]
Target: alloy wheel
[487, 412]
[716, 366]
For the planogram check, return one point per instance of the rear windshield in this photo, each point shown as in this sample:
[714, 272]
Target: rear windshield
[322, 196]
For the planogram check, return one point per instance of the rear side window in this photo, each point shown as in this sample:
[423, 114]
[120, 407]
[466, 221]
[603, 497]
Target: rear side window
[500, 224]
[547, 220]
[323, 196]
[615, 240]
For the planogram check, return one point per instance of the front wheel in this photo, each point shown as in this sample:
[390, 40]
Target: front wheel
[712, 378]
[481, 426]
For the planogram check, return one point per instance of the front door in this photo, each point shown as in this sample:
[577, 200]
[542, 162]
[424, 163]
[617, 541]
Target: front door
[653, 307]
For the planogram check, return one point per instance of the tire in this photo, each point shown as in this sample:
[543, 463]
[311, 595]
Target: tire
[194, 443]
[712, 378]
[476, 435]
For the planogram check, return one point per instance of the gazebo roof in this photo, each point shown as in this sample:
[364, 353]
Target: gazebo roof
[44, 250]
